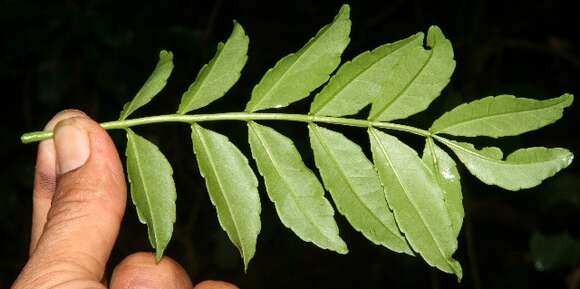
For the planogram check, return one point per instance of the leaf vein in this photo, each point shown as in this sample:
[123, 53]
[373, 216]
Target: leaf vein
[407, 86]
[219, 182]
[350, 185]
[411, 201]
[292, 195]
[145, 189]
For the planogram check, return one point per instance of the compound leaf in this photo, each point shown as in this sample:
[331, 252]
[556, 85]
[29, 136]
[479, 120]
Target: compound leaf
[152, 190]
[232, 187]
[355, 188]
[417, 201]
[416, 80]
[153, 85]
[522, 169]
[503, 115]
[358, 82]
[220, 74]
[294, 189]
[297, 74]
[445, 174]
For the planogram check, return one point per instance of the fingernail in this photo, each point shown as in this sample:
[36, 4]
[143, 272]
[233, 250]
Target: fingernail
[72, 146]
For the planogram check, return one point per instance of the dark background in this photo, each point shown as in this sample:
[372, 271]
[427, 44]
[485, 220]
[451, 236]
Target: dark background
[94, 55]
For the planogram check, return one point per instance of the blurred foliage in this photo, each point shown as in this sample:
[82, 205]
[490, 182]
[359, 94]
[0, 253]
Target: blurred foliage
[554, 252]
[94, 54]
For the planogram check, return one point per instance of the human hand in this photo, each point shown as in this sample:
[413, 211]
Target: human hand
[78, 203]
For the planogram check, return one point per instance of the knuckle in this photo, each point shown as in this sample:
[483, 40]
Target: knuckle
[78, 188]
[45, 183]
[58, 271]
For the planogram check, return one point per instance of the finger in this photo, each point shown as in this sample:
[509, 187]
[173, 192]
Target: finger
[211, 284]
[45, 179]
[87, 206]
[140, 271]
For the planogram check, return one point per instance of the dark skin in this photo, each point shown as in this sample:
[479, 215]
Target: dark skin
[78, 203]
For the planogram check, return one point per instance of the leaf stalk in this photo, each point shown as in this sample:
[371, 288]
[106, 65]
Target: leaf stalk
[37, 136]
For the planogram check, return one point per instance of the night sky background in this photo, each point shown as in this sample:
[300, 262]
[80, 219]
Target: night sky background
[94, 56]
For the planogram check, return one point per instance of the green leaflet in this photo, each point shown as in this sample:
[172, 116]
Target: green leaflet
[297, 74]
[522, 169]
[153, 85]
[416, 200]
[220, 74]
[416, 80]
[355, 188]
[445, 174]
[294, 189]
[363, 79]
[152, 190]
[232, 187]
[503, 115]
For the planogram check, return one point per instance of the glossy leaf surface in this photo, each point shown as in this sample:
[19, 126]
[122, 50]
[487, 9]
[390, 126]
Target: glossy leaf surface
[152, 190]
[297, 74]
[416, 80]
[294, 189]
[355, 188]
[522, 169]
[503, 115]
[358, 82]
[232, 187]
[416, 200]
[153, 85]
[220, 74]
[445, 174]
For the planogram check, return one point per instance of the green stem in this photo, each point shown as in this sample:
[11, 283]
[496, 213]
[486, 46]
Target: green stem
[36, 136]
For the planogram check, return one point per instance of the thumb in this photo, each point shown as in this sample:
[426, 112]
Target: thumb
[86, 210]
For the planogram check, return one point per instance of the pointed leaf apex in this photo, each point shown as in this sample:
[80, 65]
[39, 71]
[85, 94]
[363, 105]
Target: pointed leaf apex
[343, 250]
[158, 255]
[434, 29]
[569, 99]
[237, 27]
[456, 267]
[246, 262]
[436, 37]
[344, 12]
[153, 85]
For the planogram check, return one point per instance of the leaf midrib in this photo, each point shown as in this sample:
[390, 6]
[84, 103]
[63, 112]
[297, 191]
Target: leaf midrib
[436, 165]
[308, 217]
[407, 86]
[351, 80]
[299, 56]
[210, 68]
[145, 189]
[496, 161]
[430, 145]
[214, 172]
[350, 185]
[463, 122]
[445, 257]
[131, 105]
